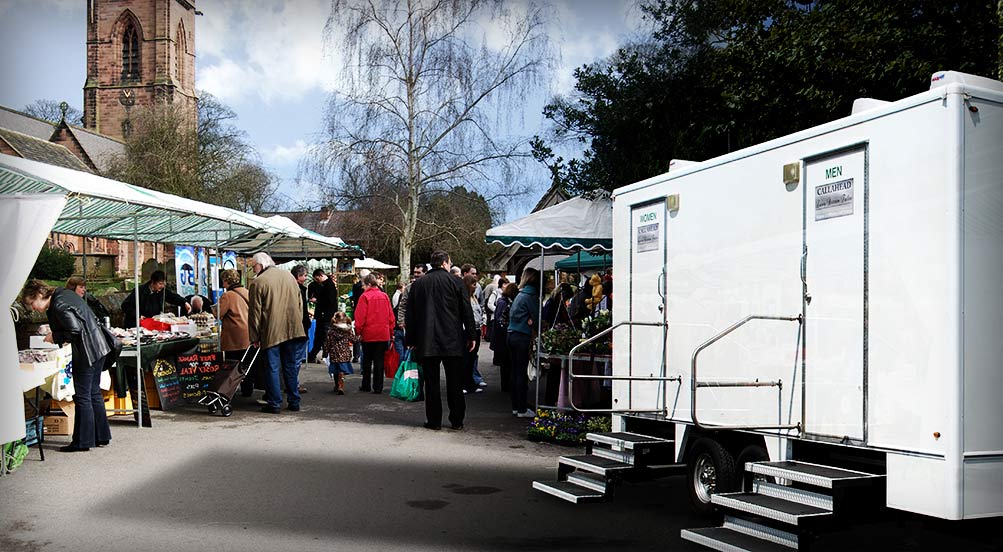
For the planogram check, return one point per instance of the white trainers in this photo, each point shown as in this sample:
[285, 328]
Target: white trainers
[526, 414]
[478, 390]
[482, 384]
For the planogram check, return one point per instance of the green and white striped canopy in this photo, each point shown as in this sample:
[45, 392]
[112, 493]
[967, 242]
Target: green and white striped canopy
[101, 207]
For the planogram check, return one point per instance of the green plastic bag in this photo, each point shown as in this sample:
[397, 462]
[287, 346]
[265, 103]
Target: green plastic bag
[407, 382]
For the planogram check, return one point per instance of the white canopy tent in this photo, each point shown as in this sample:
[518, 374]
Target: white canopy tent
[576, 224]
[284, 238]
[372, 264]
[93, 206]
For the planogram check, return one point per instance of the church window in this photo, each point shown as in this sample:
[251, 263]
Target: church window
[130, 53]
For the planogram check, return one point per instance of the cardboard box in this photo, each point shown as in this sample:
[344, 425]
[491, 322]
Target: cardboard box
[55, 424]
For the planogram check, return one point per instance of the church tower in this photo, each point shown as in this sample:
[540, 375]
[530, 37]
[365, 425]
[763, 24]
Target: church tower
[139, 52]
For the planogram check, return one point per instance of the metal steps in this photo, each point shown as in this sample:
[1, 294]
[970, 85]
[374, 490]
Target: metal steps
[770, 507]
[730, 540]
[609, 457]
[835, 493]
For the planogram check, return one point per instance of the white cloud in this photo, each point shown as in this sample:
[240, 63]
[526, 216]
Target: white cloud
[286, 155]
[268, 51]
[589, 31]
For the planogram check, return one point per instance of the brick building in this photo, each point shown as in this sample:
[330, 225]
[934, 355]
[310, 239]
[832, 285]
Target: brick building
[139, 52]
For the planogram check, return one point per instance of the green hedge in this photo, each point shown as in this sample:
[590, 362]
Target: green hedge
[53, 264]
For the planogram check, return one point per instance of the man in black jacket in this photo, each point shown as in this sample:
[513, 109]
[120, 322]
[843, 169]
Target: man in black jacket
[440, 328]
[324, 294]
[153, 298]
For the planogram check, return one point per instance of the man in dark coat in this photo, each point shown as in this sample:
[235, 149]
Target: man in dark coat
[324, 294]
[153, 298]
[440, 328]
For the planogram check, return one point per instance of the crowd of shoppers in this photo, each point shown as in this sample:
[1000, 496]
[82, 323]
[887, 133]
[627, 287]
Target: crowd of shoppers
[440, 314]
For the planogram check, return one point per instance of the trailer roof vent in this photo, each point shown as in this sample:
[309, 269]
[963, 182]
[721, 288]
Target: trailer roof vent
[864, 104]
[676, 164]
[943, 78]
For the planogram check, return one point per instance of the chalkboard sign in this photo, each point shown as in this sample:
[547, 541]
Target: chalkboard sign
[165, 377]
[196, 372]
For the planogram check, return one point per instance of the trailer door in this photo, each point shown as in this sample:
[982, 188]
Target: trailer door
[647, 302]
[834, 275]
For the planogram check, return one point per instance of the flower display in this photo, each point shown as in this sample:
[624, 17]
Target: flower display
[565, 428]
[560, 339]
[594, 325]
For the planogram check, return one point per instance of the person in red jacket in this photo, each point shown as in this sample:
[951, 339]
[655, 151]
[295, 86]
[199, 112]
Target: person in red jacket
[374, 324]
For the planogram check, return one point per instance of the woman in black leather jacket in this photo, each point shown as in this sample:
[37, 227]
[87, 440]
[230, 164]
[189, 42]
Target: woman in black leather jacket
[72, 321]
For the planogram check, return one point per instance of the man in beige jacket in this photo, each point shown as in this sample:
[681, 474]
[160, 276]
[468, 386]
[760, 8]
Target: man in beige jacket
[275, 323]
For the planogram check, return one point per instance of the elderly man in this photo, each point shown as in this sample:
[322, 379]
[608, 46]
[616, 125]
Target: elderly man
[275, 323]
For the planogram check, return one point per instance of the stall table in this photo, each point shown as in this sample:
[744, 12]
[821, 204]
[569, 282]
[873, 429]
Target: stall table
[581, 392]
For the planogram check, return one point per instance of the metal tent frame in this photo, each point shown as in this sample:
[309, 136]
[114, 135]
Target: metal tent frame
[101, 207]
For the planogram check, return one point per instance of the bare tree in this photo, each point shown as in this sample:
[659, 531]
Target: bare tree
[430, 86]
[52, 111]
[208, 159]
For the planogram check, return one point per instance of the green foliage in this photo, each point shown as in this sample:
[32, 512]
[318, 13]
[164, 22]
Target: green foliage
[560, 339]
[595, 324]
[53, 264]
[719, 75]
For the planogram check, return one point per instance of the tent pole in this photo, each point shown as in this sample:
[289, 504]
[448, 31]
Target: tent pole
[539, 326]
[83, 239]
[138, 399]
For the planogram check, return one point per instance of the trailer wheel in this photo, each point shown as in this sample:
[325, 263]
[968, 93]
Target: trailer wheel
[711, 469]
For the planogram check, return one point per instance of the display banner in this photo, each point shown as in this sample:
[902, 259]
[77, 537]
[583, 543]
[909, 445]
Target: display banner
[202, 269]
[229, 260]
[185, 265]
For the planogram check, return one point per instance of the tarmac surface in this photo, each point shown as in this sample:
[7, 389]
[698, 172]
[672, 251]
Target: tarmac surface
[358, 472]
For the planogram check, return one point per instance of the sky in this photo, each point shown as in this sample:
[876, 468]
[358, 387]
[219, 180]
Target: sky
[266, 60]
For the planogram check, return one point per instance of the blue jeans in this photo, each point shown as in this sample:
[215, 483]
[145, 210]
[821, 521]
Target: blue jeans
[284, 358]
[88, 405]
[399, 342]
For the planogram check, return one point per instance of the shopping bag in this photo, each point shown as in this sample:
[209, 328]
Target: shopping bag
[391, 361]
[407, 381]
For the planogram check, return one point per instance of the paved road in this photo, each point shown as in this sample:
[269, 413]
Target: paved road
[355, 472]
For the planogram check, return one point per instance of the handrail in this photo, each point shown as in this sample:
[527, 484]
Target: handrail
[572, 377]
[698, 384]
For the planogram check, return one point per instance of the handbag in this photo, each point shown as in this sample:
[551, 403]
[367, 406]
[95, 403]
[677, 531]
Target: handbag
[391, 361]
[407, 381]
[116, 348]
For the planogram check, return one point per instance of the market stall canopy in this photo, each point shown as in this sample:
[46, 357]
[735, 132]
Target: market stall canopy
[585, 260]
[572, 224]
[283, 238]
[101, 207]
[372, 264]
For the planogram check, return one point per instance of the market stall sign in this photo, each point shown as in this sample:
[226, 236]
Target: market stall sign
[165, 377]
[196, 373]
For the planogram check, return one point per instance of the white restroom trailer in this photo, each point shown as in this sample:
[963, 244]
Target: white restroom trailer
[859, 266]
[823, 312]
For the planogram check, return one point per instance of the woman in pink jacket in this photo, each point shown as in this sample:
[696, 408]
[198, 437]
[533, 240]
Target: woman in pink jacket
[374, 324]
